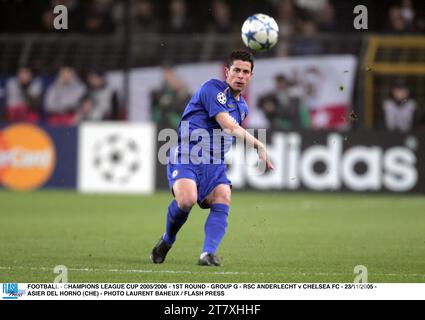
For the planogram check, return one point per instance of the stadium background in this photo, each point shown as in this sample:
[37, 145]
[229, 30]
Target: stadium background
[347, 190]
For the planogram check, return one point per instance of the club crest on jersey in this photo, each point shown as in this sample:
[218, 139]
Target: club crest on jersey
[230, 106]
[221, 97]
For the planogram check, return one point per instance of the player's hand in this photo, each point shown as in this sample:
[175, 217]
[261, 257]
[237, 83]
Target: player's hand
[262, 154]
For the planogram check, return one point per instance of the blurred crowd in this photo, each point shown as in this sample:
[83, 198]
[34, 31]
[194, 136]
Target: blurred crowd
[401, 112]
[169, 100]
[288, 105]
[285, 106]
[69, 98]
[63, 100]
[183, 16]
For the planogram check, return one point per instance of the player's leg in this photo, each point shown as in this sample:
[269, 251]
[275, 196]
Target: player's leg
[216, 224]
[185, 194]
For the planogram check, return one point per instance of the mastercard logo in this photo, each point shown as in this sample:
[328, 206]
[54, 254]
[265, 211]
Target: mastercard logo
[27, 157]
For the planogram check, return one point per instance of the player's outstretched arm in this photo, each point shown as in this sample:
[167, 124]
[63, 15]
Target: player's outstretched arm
[236, 130]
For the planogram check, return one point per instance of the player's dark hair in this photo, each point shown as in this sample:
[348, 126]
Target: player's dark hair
[241, 55]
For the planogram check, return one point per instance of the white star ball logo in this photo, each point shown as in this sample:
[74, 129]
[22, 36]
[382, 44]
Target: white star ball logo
[221, 97]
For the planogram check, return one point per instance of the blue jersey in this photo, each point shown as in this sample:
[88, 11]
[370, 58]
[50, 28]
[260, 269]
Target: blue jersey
[199, 133]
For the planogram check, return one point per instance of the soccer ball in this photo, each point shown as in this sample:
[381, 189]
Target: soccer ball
[260, 32]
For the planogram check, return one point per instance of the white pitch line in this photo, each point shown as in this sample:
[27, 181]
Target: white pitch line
[216, 272]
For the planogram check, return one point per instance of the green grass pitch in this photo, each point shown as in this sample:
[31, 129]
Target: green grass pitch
[272, 237]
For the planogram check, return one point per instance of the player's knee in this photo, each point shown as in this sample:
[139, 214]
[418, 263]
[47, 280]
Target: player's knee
[186, 202]
[223, 198]
[221, 194]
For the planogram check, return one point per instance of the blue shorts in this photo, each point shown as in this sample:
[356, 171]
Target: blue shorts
[206, 177]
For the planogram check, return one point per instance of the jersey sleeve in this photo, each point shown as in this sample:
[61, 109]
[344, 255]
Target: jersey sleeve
[213, 98]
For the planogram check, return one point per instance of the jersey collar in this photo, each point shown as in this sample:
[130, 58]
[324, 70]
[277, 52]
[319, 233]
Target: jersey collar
[227, 90]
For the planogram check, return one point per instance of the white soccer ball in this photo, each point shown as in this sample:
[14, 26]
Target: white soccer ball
[260, 32]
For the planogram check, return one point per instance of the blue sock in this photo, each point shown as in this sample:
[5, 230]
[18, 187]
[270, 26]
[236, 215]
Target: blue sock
[176, 217]
[215, 227]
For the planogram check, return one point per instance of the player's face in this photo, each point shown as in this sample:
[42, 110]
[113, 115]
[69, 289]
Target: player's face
[239, 75]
